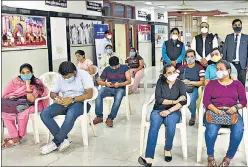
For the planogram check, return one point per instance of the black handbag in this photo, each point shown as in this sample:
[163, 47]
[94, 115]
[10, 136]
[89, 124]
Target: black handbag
[189, 87]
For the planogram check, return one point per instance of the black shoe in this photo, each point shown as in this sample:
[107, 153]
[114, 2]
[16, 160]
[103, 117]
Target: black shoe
[168, 158]
[143, 162]
[192, 122]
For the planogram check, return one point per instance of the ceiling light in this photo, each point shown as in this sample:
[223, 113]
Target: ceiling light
[160, 6]
[148, 3]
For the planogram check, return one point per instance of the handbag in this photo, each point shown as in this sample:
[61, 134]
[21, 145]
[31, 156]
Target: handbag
[225, 119]
[189, 87]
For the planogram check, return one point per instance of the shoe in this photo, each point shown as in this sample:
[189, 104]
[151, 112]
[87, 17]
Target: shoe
[48, 148]
[64, 145]
[192, 122]
[168, 158]
[225, 162]
[143, 162]
[97, 120]
[109, 122]
[211, 162]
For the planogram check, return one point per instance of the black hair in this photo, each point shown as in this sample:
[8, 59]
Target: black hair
[190, 51]
[66, 68]
[136, 54]
[214, 49]
[166, 66]
[173, 29]
[80, 52]
[204, 22]
[113, 61]
[33, 79]
[108, 45]
[236, 20]
[226, 63]
[106, 32]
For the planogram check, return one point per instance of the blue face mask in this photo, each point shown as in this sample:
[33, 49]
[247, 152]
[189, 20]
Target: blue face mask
[109, 51]
[69, 80]
[190, 60]
[132, 54]
[237, 29]
[26, 77]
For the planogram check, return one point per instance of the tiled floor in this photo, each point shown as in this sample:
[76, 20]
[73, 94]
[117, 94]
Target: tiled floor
[118, 146]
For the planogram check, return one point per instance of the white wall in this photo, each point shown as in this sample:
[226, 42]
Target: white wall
[145, 51]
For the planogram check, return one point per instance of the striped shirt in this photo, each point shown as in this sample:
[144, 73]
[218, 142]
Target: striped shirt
[192, 74]
[113, 76]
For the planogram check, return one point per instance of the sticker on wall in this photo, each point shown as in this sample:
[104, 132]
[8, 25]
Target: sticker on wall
[81, 32]
[58, 3]
[144, 32]
[23, 32]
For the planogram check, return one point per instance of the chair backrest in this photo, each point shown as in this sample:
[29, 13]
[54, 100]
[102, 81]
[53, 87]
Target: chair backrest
[95, 93]
[95, 70]
[48, 79]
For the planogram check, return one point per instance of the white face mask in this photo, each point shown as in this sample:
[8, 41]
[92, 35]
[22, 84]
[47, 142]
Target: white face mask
[174, 37]
[109, 36]
[204, 30]
[172, 77]
[221, 74]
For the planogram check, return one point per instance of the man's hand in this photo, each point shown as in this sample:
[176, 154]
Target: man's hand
[164, 113]
[117, 85]
[231, 111]
[174, 63]
[204, 62]
[58, 100]
[181, 98]
[109, 84]
[67, 101]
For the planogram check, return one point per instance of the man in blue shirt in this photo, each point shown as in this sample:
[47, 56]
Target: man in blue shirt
[173, 50]
[114, 78]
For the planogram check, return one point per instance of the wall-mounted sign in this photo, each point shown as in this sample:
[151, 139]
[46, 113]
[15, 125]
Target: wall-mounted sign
[59, 3]
[160, 16]
[93, 6]
[142, 14]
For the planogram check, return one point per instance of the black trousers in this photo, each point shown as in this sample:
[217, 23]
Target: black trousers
[241, 73]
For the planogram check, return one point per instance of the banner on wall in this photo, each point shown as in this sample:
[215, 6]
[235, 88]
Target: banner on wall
[93, 6]
[99, 30]
[161, 35]
[58, 3]
[23, 32]
[142, 14]
[81, 32]
[144, 32]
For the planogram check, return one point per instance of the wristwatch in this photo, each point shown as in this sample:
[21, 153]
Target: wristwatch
[237, 107]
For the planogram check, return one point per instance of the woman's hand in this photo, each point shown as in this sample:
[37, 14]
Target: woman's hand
[164, 113]
[232, 110]
[181, 98]
[28, 82]
[186, 81]
[220, 112]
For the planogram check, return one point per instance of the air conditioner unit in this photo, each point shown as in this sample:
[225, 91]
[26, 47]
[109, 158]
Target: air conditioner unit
[148, 17]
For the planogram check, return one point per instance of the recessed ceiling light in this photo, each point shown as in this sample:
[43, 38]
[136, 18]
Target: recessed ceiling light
[148, 3]
[160, 6]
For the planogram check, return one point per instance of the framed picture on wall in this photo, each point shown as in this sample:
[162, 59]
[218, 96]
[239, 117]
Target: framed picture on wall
[23, 32]
[82, 32]
[144, 33]
[161, 34]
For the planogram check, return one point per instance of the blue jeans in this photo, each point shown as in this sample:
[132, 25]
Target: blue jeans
[236, 135]
[193, 99]
[72, 112]
[156, 121]
[117, 93]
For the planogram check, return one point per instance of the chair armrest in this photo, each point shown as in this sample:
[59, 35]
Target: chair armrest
[144, 113]
[36, 103]
[245, 117]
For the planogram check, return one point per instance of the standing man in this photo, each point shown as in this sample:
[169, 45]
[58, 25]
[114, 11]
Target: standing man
[173, 50]
[236, 50]
[107, 38]
[203, 44]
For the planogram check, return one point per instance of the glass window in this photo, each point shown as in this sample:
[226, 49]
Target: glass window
[129, 12]
[119, 10]
[107, 9]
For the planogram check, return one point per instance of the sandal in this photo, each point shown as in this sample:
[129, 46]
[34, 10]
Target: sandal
[225, 162]
[8, 142]
[211, 162]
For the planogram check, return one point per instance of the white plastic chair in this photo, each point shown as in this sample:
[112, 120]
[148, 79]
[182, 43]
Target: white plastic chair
[95, 71]
[83, 118]
[202, 128]
[145, 125]
[110, 100]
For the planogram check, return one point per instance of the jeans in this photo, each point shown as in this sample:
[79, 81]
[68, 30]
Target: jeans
[156, 121]
[71, 113]
[117, 93]
[236, 135]
[193, 99]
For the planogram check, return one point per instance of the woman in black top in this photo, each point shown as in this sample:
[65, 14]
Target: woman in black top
[170, 96]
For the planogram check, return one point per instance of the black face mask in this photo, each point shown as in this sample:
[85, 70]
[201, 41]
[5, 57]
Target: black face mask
[237, 29]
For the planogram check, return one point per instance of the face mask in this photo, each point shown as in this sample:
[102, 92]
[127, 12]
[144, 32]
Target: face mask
[221, 74]
[190, 60]
[132, 54]
[215, 58]
[204, 30]
[26, 77]
[237, 29]
[174, 37]
[69, 80]
[109, 36]
[172, 77]
[109, 51]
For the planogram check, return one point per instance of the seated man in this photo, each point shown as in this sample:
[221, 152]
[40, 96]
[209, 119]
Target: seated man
[70, 90]
[114, 77]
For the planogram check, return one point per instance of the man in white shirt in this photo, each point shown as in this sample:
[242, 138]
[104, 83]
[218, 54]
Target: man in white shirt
[203, 44]
[107, 38]
[71, 88]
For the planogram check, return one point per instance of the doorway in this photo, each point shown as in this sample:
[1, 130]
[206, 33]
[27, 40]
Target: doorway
[120, 41]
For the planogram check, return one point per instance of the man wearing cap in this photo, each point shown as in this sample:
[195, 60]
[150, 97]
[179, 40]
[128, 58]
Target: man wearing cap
[107, 38]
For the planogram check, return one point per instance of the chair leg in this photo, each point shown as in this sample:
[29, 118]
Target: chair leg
[84, 129]
[245, 139]
[92, 125]
[146, 137]
[142, 138]
[127, 108]
[200, 145]
[35, 129]
[184, 142]
[48, 136]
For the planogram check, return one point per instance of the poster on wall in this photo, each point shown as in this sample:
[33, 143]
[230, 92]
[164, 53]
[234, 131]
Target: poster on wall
[23, 32]
[81, 32]
[99, 30]
[58, 3]
[161, 35]
[144, 33]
